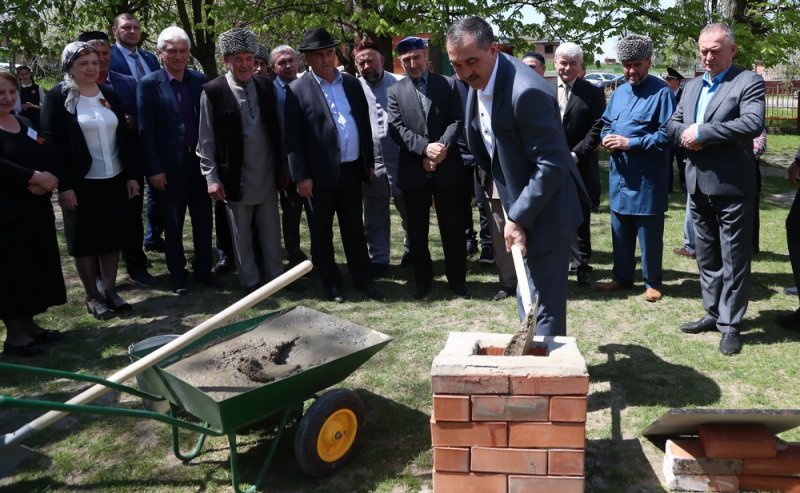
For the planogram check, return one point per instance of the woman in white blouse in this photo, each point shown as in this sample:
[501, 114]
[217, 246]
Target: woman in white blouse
[84, 128]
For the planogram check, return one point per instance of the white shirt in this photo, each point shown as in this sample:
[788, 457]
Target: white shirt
[485, 100]
[132, 61]
[99, 127]
[342, 115]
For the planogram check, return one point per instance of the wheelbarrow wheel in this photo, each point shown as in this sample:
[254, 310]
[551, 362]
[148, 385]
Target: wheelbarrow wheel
[329, 432]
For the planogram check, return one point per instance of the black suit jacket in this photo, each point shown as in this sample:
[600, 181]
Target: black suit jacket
[312, 141]
[67, 145]
[584, 108]
[413, 131]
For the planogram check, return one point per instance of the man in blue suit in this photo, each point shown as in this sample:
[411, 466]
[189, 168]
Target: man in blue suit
[168, 103]
[125, 87]
[514, 130]
[128, 59]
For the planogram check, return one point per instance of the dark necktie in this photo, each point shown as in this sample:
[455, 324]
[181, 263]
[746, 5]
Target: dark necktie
[139, 69]
[421, 87]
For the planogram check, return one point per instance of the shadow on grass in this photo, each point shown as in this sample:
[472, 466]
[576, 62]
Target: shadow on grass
[637, 377]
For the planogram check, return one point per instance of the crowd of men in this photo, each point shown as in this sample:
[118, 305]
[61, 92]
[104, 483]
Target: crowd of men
[248, 155]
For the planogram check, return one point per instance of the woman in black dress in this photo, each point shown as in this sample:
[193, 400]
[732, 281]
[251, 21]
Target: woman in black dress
[30, 95]
[84, 127]
[30, 266]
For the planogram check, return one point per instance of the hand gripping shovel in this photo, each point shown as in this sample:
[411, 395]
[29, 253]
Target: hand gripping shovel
[521, 342]
[12, 452]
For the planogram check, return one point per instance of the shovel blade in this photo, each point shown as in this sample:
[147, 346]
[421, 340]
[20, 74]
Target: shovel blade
[11, 456]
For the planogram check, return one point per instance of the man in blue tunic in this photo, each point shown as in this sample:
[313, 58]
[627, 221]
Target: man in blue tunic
[634, 133]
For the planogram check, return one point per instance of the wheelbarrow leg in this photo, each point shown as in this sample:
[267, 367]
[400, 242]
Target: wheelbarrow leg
[262, 473]
[176, 446]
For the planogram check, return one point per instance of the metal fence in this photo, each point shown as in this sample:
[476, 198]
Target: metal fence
[783, 107]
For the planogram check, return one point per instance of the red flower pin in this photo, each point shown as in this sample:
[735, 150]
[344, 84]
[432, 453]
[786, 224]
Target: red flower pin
[105, 103]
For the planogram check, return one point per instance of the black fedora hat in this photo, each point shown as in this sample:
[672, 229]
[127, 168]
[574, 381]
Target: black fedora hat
[317, 38]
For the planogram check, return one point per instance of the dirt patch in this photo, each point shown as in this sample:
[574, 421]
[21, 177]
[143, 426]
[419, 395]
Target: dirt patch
[279, 347]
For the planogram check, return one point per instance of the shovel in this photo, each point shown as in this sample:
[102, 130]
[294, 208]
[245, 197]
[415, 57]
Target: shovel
[521, 342]
[12, 452]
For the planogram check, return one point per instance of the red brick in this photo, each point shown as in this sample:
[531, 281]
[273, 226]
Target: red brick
[565, 462]
[786, 463]
[492, 351]
[533, 385]
[571, 409]
[546, 435]
[534, 484]
[456, 482]
[686, 457]
[453, 434]
[509, 460]
[451, 407]
[737, 441]
[470, 384]
[451, 459]
[509, 408]
[769, 483]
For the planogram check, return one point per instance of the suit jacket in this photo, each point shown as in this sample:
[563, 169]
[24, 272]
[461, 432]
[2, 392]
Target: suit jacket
[584, 109]
[67, 145]
[120, 64]
[535, 175]
[125, 87]
[734, 117]
[413, 131]
[312, 143]
[161, 128]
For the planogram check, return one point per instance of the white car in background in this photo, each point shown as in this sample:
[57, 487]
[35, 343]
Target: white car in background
[604, 80]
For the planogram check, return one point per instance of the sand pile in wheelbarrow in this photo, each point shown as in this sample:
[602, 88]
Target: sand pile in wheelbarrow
[279, 347]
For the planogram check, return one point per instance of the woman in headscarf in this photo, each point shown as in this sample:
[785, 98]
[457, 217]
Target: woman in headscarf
[30, 266]
[84, 126]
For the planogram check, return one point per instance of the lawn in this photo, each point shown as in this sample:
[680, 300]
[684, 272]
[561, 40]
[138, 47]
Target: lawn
[640, 365]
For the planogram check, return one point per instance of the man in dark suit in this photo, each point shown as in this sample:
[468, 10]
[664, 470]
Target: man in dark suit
[426, 120]
[330, 155]
[128, 59]
[168, 102]
[791, 320]
[581, 105]
[125, 87]
[716, 121]
[513, 127]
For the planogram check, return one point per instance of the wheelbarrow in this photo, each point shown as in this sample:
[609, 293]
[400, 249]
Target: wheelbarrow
[327, 433]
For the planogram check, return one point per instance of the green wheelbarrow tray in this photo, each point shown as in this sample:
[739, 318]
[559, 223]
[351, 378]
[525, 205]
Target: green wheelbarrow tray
[250, 405]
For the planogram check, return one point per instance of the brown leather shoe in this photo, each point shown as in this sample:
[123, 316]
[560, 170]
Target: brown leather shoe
[652, 295]
[610, 287]
[683, 252]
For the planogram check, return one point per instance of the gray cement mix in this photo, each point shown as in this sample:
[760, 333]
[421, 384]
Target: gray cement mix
[279, 347]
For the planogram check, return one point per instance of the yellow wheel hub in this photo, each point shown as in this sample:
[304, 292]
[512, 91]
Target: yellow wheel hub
[337, 435]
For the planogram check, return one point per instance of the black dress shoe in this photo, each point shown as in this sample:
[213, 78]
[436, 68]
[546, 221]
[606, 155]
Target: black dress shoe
[487, 256]
[117, 304]
[22, 350]
[729, 344]
[224, 266]
[143, 279]
[705, 324]
[48, 336]
[377, 268]
[207, 278]
[789, 321]
[421, 292]
[461, 291]
[584, 278]
[179, 286]
[503, 293]
[371, 291]
[98, 309]
[336, 295]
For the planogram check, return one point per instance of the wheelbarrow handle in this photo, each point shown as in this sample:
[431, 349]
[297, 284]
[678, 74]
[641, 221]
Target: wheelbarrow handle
[164, 352]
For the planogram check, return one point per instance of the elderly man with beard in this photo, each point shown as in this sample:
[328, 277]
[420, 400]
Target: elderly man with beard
[635, 134]
[241, 155]
[377, 225]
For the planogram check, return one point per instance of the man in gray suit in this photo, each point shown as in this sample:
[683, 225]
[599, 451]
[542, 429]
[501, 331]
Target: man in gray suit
[514, 129]
[716, 120]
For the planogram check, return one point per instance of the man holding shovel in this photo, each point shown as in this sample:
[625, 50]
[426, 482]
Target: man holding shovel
[513, 128]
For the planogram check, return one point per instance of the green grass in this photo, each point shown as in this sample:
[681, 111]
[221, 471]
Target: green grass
[640, 365]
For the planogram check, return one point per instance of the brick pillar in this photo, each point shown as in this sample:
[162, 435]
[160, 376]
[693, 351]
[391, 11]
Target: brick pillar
[508, 424]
